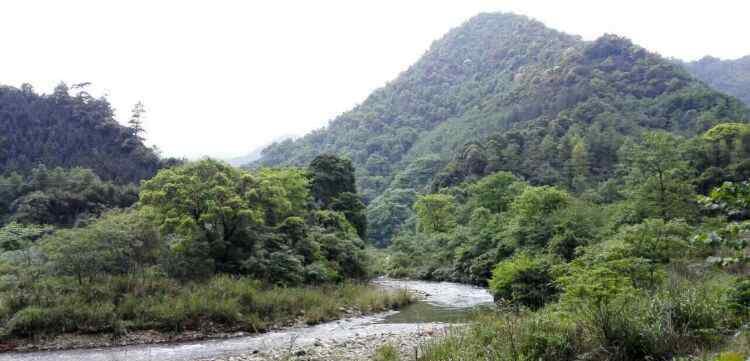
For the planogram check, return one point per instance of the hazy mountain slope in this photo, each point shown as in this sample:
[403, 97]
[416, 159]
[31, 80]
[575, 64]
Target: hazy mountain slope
[255, 154]
[63, 130]
[503, 92]
[459, 73]
[729, 76]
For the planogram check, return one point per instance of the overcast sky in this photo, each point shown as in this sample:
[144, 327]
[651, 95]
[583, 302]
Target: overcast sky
[220, 78]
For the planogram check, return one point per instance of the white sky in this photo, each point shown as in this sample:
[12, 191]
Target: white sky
[220, 78]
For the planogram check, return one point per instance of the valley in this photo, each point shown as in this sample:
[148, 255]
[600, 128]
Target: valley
[518, 193]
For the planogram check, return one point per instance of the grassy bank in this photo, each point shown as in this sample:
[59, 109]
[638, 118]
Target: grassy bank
[120, 304]
[686, 319]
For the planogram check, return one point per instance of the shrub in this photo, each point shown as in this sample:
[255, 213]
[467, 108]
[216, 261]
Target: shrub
[386, 353]
[523, 280]
[542, 336]
[739, 296]
[674, 321]
[70, 316]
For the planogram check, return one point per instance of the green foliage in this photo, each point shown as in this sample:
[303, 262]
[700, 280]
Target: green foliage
[284, 192]
[61, 197]
[154, 302]
[656, 240]
[579, 224]
[495, 192]
[333, 187]
[435, 213]
[70, 130]
[729, 76]
[264, 224]
[386, 352]
[350, 205]
[674, 321]
[505, 93]
[739, 297]
[120, 242]
[15, 236]
[211, 206]
[532, 212]
[604, 272]
[731, 198]
[523, 280]
[730, 356]
[331, 176]
[660, 178]
[387, 213]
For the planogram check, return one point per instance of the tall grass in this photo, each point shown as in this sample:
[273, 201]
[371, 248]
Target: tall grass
[224, 303]
[680, 319]
[386, 352]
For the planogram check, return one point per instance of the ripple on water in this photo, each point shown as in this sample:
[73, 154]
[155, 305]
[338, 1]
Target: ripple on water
[441, 302]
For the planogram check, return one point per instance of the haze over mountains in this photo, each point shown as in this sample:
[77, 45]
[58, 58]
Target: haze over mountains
[255, 154]
[729, 76]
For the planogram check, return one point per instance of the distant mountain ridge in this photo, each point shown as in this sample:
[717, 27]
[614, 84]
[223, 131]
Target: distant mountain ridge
[256, 153]
[504, 92]
[729, 76]
[64, 130]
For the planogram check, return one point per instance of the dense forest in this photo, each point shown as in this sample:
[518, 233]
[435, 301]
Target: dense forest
[505, 93]
[729, 76]
[98, 234]
[78, 130]
[201, 245]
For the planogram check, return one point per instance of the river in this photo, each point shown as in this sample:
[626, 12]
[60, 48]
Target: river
[439, 303]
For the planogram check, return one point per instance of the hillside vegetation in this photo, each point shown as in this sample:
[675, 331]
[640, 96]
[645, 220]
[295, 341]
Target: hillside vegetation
[64, 130]
[505, 93]
[206, 247]
[729, 76]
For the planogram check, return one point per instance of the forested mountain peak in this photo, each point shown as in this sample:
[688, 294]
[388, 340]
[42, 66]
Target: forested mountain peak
[504, 92]
[69, 130]
[457, 73]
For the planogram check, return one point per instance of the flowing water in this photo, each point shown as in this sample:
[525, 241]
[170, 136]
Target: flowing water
[439, 302]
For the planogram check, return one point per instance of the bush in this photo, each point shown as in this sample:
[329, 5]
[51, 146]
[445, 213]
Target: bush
[542, 336]
[523, 280]
[674, 321]
[739, 296]
[70, 316]
[386, 353]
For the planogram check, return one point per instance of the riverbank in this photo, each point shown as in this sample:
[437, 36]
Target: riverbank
[345, 339]
[225, 307]
[438, 307]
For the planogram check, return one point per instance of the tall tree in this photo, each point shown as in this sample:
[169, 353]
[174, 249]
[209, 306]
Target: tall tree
[331, 176]
[136, 120]
[435, 213]
[210, 206]
[658, 177]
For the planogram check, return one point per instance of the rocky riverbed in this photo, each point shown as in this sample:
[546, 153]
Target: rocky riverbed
[357, 348]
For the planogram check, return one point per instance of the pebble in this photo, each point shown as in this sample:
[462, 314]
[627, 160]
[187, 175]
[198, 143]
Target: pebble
[358, 348]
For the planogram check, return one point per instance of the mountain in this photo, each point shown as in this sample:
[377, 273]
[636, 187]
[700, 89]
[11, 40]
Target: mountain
[64, 130]
[504, 92]
[255, 154]
[729, 76]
